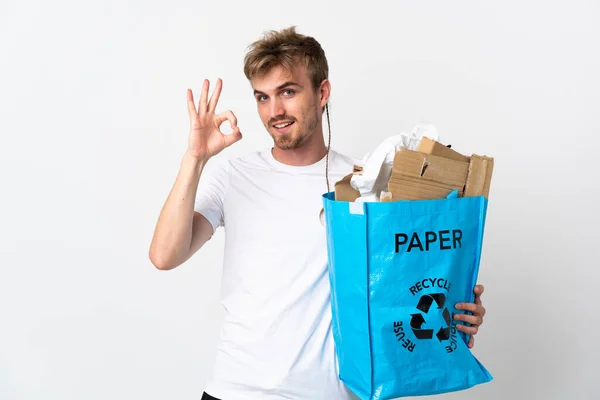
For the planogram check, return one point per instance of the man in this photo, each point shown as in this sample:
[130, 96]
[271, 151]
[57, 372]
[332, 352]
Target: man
[276, 340]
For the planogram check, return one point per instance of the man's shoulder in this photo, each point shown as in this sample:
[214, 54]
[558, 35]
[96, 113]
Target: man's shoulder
[344, 161]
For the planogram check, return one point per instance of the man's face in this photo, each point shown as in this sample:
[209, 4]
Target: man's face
[289, 107]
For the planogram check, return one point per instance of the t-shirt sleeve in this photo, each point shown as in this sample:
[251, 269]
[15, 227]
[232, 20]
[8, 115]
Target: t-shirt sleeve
[210, 197]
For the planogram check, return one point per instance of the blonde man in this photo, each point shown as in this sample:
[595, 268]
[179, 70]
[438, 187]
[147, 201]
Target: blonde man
[276, 340]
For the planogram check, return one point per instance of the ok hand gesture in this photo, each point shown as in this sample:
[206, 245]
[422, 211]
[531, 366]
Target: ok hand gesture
[206, 139]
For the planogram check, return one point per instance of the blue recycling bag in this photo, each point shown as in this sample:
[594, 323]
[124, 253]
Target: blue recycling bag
[396, 271]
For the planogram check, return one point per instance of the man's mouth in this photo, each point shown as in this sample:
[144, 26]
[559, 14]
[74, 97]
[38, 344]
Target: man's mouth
[282, 125]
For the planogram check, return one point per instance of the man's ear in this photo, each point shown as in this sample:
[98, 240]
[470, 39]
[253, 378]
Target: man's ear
[324, 92]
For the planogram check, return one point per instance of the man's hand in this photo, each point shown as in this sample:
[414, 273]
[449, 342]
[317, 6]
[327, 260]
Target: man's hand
[206, 140]
[476, 319]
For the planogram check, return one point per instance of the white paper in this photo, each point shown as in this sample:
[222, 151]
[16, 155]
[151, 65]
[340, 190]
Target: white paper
[377, 166]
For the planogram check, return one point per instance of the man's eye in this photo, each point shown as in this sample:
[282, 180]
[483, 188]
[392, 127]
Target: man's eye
[288, 92]
[261, 98]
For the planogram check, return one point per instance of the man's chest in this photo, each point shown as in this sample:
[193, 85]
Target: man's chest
[276, 210]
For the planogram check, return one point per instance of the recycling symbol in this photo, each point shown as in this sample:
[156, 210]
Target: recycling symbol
[424, 306]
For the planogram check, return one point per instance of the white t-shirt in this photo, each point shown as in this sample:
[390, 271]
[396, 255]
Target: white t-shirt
[276, 340]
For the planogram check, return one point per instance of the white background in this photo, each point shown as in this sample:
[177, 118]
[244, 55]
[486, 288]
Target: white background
[93, 125]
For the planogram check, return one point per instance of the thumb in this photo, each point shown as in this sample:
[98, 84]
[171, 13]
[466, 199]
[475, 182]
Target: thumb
[233, 137]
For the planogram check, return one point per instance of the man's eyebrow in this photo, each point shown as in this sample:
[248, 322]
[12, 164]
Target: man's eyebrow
[286, 84]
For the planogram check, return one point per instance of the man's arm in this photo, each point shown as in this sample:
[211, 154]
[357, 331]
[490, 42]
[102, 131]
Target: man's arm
[180, 231]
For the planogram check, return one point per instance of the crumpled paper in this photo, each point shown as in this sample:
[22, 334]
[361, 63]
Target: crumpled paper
[377, 166]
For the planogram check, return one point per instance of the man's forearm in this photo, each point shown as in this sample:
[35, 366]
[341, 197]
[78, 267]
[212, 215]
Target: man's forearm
[173, 233]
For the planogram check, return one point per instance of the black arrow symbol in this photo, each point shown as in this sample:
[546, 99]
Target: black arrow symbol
[424, 303]
[439, 298]
[446, 315]
[416, 322]
[443, 334]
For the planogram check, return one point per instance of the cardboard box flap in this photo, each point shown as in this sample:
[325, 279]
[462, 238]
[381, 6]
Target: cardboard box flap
[430, 168]
[344, 190]
[430, 146]
[414, 181]
[479, 176]
[408, 192]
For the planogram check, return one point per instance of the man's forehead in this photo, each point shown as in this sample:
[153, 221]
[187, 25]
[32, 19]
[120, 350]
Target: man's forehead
[278, 75]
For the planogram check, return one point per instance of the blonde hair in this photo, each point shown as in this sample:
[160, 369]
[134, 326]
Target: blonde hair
[285, 48]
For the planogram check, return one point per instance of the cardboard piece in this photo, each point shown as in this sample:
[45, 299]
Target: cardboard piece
[344, 190]
[420, 176]
[479, 177]
[431, 172]
[386, 196]
[429, 146]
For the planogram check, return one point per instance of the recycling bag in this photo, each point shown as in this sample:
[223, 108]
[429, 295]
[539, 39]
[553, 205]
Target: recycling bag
[396, 271]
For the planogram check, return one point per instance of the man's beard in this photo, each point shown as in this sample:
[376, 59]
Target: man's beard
[289, 142]
[295, 139]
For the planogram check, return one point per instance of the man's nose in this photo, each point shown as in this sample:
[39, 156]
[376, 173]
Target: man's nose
[277, 108]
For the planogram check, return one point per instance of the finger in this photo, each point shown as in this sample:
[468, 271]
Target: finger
[469, 330]
[190, 103]
[478, 290]
[475, 309]
[202, 106]
[212, 106]
[471, 342]
[472, 307]
[233, 137]
[469, 319]
[226, 116]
